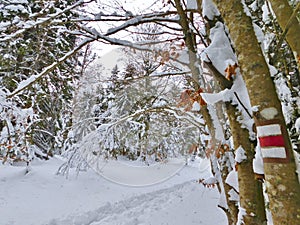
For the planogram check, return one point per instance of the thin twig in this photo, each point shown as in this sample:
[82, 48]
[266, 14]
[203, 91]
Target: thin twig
[239, 100]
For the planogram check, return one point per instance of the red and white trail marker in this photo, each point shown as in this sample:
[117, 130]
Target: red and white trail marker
[271, 141]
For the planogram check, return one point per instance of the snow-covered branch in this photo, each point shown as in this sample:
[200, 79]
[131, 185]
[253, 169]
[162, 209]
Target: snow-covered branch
[178, 113]
[42, 21]
[31, 80]
[102, 17]
[137, 21]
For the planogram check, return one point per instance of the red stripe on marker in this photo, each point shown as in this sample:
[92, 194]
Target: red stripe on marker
[269, 141]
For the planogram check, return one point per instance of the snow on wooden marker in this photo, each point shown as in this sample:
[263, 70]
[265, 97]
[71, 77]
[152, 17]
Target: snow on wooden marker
[271, 141]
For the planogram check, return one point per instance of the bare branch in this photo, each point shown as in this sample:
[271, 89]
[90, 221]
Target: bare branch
[169, 27]
[154, 34]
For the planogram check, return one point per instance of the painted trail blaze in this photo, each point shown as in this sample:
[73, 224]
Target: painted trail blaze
[272, 142]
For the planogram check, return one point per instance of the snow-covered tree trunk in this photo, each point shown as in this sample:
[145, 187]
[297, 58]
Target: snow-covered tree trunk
[251, 199]
[250, 189]
[204, 111]
[289, 24]
[232, 212]
[279, 164]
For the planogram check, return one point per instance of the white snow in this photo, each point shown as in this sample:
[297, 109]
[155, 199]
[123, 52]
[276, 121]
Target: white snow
[237, 91]
[18, 1]
[259, 33]
[209, 9]
[266, 13]
[297, 159]
[233, 195]
[219, 134]
[196, 106]
[240, 154]
[191, 4]
[16, 8]
[269, 113]
[232, 180]
[212, 98]
[26, 82]
[42, 198]
[258, 164]
[285, 96]
[273, 71]
[219, 52]
[126, 173]
[242, 213]
[297, 125]
[106, 63]
[254, 6]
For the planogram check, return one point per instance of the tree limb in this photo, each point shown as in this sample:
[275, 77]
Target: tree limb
[31, 80]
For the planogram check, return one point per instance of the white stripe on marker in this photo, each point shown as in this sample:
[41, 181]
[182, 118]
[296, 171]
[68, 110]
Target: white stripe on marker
[273, 152]
[268, 130]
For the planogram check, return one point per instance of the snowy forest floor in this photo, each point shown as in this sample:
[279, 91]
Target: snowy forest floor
[42, 198]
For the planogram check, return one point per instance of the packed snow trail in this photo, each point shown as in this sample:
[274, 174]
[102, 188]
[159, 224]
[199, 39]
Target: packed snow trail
[42, 198]
[187, 203]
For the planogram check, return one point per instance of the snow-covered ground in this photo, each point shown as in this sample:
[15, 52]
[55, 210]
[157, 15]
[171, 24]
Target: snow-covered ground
[42, 198]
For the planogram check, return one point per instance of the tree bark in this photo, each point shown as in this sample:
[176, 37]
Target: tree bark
[250, 189]
[232, 212]
[281, 180]
[289, 24]
[225, 161]
[193, 62]
[190, 43]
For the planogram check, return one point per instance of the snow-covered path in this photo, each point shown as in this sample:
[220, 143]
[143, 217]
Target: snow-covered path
[43, 198]
[186, 203]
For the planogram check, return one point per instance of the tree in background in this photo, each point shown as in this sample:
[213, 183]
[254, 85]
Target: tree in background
[30, 41]
[185, 33]
[151, 128]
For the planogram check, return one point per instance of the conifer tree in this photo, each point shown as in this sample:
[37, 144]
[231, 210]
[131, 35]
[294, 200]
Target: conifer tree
[28, 45]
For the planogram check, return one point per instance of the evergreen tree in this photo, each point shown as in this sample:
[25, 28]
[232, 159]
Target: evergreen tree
[152, 128]
[28, 45]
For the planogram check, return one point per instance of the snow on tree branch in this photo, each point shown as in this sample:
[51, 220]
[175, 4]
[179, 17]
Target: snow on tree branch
[136, 21]
[31, 80]
[178, 113]
[42, 21]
